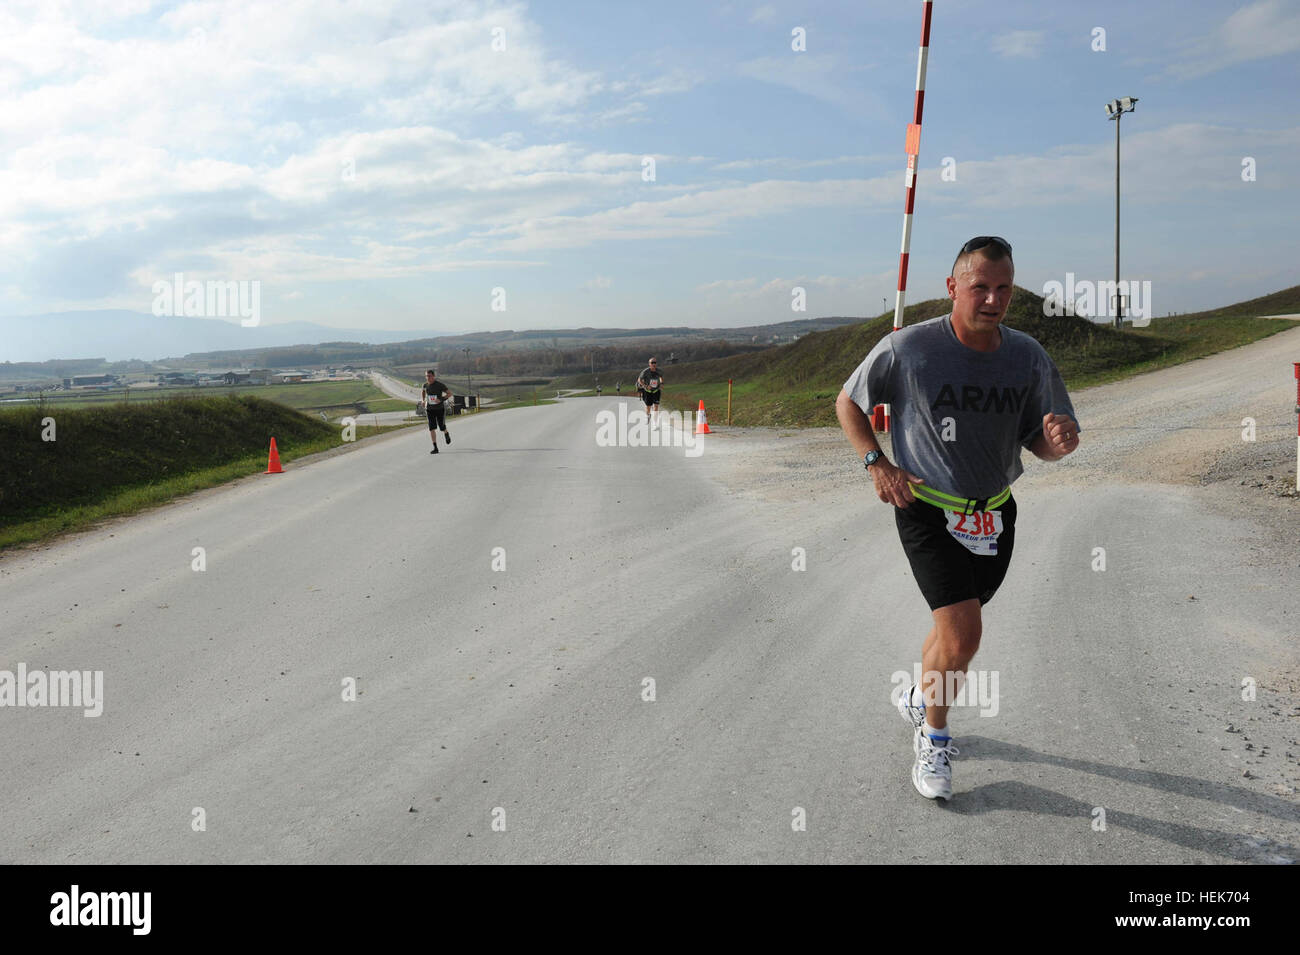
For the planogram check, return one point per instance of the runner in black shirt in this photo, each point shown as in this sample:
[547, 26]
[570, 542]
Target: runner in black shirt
[648, 384]
[434, 396]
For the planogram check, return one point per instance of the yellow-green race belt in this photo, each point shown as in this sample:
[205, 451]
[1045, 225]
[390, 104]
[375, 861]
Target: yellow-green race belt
[967, 505]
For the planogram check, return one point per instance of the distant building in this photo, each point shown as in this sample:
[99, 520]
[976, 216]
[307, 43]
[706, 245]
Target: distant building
[260, 376]
[89, 381]
[236, 377]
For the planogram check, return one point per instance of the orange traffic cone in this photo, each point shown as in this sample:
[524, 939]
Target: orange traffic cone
[273, 461]
[701, 421]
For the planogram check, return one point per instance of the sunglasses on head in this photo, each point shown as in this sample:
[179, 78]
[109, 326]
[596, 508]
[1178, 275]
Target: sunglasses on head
[980, 241]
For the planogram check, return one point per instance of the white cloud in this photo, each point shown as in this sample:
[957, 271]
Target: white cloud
[674, 81]
[710, 212]
[247, 63]
[320, 142]
[1163, 165]
[628, 111]
[786, 162]
[1167, 164]
[863, 289]
[1024, 44]
[811, 75]
[293, 128]
[1263, 29]
[424, 200]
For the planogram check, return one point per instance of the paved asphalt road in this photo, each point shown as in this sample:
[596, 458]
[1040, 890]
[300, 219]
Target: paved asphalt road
[518, 695]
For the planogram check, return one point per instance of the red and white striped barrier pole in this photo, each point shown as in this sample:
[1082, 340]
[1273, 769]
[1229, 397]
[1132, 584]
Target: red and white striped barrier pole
[913, 152]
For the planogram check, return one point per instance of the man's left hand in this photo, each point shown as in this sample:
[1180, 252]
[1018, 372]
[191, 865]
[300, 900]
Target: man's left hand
[1061, 432]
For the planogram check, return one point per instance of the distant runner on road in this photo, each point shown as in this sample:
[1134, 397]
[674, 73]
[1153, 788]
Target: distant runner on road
[648, 384]
[967, 395]
[434, 396]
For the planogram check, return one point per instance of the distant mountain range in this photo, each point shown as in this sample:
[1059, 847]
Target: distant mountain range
[123, 336]
[117, 335]
[120, 335]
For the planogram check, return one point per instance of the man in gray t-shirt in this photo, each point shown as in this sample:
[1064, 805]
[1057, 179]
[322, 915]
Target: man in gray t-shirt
[648, 383]
[966, 395]
[960, 416]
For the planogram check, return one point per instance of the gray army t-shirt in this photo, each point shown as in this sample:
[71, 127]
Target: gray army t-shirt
[990, 404]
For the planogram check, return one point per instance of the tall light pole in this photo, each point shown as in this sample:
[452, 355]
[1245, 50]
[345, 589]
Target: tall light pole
[1115, 109]
[469, 379]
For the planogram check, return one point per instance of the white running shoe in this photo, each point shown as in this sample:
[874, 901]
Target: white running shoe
[932, 773]
[913, 714]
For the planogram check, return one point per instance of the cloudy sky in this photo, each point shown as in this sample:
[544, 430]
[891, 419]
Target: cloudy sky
[384, 164]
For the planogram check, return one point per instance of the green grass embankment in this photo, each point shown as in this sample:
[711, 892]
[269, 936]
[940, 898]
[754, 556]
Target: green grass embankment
[107, 461]
[335, 399]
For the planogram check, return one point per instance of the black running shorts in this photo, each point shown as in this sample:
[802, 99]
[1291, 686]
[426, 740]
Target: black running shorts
[650, 398]
[437, 416]
[946, 571]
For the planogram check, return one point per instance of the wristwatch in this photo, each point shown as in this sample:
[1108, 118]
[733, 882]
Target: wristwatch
[871, 457]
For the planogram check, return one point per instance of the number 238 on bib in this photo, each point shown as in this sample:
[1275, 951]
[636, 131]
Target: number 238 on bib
[977, 532]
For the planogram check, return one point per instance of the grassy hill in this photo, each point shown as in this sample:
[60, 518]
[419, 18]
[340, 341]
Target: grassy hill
[114, 460]
[334, 398]
[796, 384]
[1285, 302]
[99, 450]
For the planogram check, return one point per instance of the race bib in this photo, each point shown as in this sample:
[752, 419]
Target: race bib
[434, 400]
[978, 532]
[653, 384]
